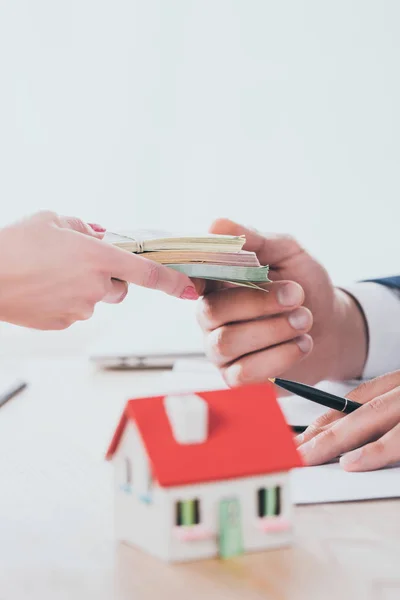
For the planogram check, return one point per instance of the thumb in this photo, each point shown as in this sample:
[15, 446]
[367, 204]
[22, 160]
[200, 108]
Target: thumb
[80, 226]
[376, 387]
[270, 248]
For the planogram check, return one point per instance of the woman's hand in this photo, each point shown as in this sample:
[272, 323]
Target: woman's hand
[368, 438]
[53, 271]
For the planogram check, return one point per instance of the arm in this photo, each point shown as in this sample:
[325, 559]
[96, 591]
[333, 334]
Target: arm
[379, 302]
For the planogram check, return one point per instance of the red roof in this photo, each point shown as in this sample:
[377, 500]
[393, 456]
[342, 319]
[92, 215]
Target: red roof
[247, 435]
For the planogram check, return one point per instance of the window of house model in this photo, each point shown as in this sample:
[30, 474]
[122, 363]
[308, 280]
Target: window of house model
[187, 513]
[269, 502]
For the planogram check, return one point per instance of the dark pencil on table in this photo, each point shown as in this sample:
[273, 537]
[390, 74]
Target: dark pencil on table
[343, 405]
[18, 387]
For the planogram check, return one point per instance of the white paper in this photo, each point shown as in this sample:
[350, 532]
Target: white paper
[330, 483]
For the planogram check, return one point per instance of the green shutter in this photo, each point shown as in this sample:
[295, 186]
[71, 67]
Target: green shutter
[271, 502]
[188, 512]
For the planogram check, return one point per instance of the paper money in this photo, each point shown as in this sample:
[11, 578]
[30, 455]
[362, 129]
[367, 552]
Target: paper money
[177, 257]
[150, 241]
[210, 256]
[227, 273]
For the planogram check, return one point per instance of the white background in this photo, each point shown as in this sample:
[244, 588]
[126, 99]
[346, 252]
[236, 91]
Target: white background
[282, 114]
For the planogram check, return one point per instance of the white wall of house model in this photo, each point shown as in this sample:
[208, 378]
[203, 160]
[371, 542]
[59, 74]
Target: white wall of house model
[198, 520]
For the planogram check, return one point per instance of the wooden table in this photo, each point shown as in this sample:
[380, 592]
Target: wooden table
[56, 531]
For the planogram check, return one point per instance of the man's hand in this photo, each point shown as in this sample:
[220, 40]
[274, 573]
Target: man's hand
[376, 424]
[53, 271]
[302, 328]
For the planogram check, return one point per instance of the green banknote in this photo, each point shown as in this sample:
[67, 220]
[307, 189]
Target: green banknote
[245, 276]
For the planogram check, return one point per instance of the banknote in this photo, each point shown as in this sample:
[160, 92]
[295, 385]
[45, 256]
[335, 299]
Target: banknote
[146, 240]
[200, 256]
[230, 274]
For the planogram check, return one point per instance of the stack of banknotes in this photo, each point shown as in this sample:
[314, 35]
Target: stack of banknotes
[210, 256]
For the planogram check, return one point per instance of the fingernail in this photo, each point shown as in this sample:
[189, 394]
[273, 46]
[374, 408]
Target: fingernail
[304, 343]
[351, 457]
[97, 227]
[123, 295]
[189, 293]
[299, 319]
[289, 294]
[307, 449]
[299, 439]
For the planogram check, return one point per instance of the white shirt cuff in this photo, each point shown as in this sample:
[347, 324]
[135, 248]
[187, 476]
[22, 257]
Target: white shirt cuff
[381, 307]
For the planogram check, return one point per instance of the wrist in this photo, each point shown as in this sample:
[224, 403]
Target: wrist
[351, 337]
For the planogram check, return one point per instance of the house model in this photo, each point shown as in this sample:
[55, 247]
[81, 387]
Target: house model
[204, 474]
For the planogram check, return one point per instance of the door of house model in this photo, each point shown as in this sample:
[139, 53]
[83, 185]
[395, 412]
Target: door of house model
[230, 528]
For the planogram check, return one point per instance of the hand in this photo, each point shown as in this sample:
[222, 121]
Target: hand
[303, 328]
[53, 271]
[377, 425]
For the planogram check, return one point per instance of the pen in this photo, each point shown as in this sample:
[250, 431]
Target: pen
[21, 385]
[309, 393]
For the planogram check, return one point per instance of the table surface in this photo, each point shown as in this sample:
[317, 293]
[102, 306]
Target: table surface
[56, 498]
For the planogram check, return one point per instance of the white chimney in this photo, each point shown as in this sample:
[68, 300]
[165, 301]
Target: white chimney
[188, 416]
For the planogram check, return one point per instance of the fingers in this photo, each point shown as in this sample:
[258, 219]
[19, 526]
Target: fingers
[363, 425]
[370, 389]
[146, 273]
[270, 249]
[201, 285]
[382, 453]
[97, 227]
[258, 367]
[131, 268]
[318, 426]
[229, 342]
[206, 286]
[251, 335]
[117, 292]
[80, 226]
[66, 222]
[240, 304]
[362, 394]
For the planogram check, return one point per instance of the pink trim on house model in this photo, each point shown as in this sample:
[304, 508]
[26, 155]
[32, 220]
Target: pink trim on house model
[192, 533]
[273, 524]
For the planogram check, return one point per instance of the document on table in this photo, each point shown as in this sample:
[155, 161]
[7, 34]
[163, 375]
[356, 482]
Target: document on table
[330, 483]
[310, 485]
